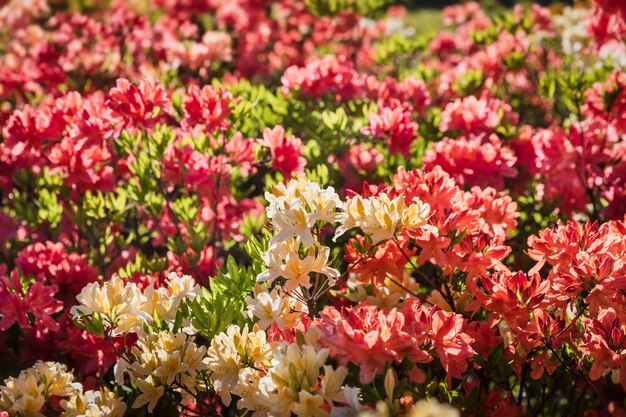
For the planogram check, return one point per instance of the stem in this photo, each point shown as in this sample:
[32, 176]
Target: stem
[117, 352]
[447, 297]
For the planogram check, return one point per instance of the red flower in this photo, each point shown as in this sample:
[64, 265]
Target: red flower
[371, 338]
[395, 127]
[210, 106]
[285, 150]
[604, 340]
[479, 160]
[140, 106]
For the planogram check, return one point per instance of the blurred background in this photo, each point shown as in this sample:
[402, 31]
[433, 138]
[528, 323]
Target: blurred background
[425, 15]
[486, 3]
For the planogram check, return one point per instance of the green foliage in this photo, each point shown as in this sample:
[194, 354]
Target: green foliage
[224, 302]
[334, 7]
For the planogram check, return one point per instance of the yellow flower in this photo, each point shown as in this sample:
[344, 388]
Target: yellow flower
[295, 208]
[119, 304]
[310, 405]
[231, 353]
[284, 261]
[432, 408]
[382, 218]
[150, 394]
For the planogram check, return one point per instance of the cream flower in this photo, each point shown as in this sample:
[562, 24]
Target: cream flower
[150, 394]
[274, 307]
[102, 403]
[284, 261]
[382, 218]
[432, 408]
[296, 207]
[166, 300]
[234, 358]
[310, 405]
[294, 369]
[119, 304]
[27, 394]
[160, 359]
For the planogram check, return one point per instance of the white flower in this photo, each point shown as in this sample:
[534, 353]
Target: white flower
[234, 359]
[150, 394]
[432, 408]
[295, 208]
[382, 218]
[284, 260]
[292, 221]
[120, 305]
[274, 307]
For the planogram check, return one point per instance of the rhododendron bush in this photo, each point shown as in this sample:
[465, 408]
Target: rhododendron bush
[276, 208]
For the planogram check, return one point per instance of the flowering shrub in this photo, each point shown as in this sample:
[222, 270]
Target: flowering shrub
[221, 208]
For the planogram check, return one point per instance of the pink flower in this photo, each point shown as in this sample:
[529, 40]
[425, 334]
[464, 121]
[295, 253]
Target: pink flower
[285, 151]
[215, 46]
[479, 160]
[608, 100]
[50, 261]
[139, 106]
[604, 340]
[210, 106]
[358, 164]
[18, 304]
[446, 333]
[395, 126]
[471, 115]
[370, 338]
[322, 76]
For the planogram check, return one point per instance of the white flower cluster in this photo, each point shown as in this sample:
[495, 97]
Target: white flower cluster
[295, 257]
[125, 308]
[28, 394]
[277, 379]
[382, 218]
[162, 361]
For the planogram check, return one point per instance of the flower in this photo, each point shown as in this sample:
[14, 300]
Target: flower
[382, 218]
[284, 261]
[475, 115]
[433, 408]
[274, 308]
[157, 361]
[27, 394]
[395, 126]
[296, 207]
[139, 106]
[101, 403]
[604, 340]
[234, 360]
[209, 106]
[292, 383]
[370, 338]
[150, 394]
[285, 150]
[118, 303]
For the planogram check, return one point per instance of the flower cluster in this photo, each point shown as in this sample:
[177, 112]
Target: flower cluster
[49, 386]
[311, 208]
